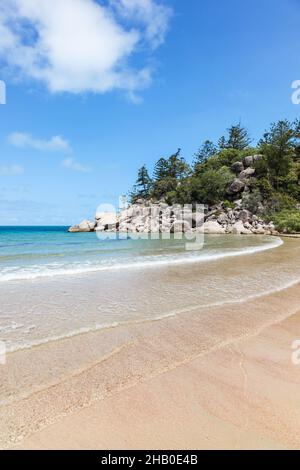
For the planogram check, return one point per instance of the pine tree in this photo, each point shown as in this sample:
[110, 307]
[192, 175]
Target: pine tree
[280, 147]
[207, 150]
[161, 169]
[239, 138]
[178, 168]
[143, 185]
[222, 144]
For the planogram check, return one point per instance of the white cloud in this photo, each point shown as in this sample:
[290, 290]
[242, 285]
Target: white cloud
[11, 170]
[152, 15]
[73, 165]
[55, 144]
[81, 45]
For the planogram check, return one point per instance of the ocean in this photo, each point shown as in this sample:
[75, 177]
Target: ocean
[34, 252]
[54, 284]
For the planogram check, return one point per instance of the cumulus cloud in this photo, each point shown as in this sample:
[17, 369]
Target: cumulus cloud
[55, 144]
[154, 17]
[81, 45]
[11, 170]
[73, 165]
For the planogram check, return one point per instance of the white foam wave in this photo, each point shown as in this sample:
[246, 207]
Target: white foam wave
[5, 329]
[171, 314]
[83, 330]
[38, 271]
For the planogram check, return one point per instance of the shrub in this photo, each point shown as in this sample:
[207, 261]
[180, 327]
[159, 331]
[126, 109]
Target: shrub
[287, 221]
[265, 187]
[279, 202]
[252, 201]
[228, 204]
[211, 187]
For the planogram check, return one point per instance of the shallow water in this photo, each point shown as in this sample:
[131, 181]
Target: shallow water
[203, 305]
[56, 284]
[35, 252]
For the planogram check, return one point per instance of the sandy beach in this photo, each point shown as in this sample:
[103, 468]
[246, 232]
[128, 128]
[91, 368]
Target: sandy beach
[210, 377]
[243, 396]
[149, 227]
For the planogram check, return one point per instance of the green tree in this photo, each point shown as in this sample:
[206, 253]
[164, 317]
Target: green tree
[164, 186]
[238, 137]
[177, 166]
[161, 169]
[211, 186]
[206, 151]
[167, 175]
[279, 146]
[142, 186]
[222, 143]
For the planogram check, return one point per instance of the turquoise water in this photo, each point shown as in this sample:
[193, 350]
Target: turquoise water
[54, 284]
[33, 252]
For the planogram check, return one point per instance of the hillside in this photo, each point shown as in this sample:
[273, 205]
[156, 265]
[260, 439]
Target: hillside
[245, 189]
[264, 180]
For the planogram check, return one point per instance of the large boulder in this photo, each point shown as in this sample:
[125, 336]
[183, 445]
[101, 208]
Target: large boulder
[237, 167]
[223, 219]
[247, 173]
[84, 226]
[125, 214]
[180, 226]
[239, 229]
[244, 216]
[236, 187]
[213, 227]
[165, 227]
[198, 219]
[74, 229]
[260, 230]
[249, 161]
[108, 220]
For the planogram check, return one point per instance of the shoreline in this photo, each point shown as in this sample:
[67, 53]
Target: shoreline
[183, 260]
[130, 352]
[86, 331]
[236, 397]
[124, 387]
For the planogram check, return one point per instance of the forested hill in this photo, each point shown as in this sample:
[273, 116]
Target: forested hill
[265, 177]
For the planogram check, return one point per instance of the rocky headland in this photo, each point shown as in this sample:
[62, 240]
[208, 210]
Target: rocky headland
[159, 217]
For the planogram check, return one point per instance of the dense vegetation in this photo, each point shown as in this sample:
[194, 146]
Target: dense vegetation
[273, 191]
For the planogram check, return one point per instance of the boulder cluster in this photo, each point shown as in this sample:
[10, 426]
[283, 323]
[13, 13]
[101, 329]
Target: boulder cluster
[244, 171]
[159, 217]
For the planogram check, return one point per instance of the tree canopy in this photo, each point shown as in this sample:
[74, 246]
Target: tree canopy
[275, 185]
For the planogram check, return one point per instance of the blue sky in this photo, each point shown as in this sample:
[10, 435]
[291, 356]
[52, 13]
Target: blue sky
[140, 78]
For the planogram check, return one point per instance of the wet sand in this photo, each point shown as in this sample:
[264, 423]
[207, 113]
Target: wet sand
[243, 396]
[212, 377]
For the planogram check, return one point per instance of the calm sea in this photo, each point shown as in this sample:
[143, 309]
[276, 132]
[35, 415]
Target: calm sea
[54, 284]
[34, 252]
